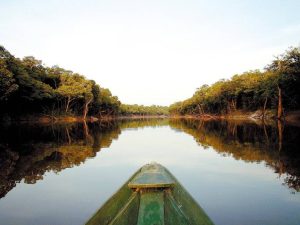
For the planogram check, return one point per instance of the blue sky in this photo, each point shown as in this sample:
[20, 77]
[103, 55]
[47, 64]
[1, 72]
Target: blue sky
[151, 52]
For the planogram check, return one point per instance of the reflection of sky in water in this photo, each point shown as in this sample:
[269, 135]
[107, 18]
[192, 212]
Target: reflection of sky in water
[230, 191]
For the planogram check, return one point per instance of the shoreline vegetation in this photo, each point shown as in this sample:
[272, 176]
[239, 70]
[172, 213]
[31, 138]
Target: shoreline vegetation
[31, 91]
[269, 94]
[291, 116]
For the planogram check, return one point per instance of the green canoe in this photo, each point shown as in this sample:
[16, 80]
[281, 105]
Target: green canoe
[152, 196]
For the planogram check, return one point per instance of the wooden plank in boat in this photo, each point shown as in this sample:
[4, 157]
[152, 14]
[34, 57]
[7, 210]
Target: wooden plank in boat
[152, 176]
[151, 208]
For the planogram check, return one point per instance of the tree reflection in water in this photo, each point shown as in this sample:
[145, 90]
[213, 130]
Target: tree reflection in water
[27, 151]
[250, 142]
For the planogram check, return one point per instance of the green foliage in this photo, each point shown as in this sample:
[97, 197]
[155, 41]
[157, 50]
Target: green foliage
[7, 82]
[248, 91]
[27, 86]
[141, 110]
[73, 86]
[104, 102]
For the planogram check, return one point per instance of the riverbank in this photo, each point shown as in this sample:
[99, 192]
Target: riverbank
[72, 119]
[292, 117]
[53, 119]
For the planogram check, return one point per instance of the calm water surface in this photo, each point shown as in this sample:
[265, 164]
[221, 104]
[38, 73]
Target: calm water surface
[240, 173]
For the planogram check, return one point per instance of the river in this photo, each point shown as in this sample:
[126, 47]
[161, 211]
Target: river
[239, 172]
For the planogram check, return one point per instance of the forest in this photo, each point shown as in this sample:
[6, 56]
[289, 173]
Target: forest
[276, 88]
[27, 87]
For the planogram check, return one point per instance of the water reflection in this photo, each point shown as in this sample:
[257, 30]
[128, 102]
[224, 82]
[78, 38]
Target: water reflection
[28, 151]
[275, 144]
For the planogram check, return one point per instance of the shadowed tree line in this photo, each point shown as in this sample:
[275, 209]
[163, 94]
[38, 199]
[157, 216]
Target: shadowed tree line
[276, 88]
[250, 142]
[27, 87]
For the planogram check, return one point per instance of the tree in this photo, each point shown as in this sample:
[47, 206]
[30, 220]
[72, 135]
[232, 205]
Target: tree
[7, 82]
[73, 87]
[286, 67]
[88, 97]
[270, 89]
[49, 90]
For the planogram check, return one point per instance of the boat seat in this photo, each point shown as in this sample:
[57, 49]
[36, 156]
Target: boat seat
[152, 176]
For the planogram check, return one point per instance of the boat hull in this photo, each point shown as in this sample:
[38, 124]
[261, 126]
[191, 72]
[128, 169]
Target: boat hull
[147, 200]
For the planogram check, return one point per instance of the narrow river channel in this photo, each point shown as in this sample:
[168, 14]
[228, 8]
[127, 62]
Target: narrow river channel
[238, 172]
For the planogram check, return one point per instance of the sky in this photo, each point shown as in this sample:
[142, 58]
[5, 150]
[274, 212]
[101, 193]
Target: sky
[155, 51]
